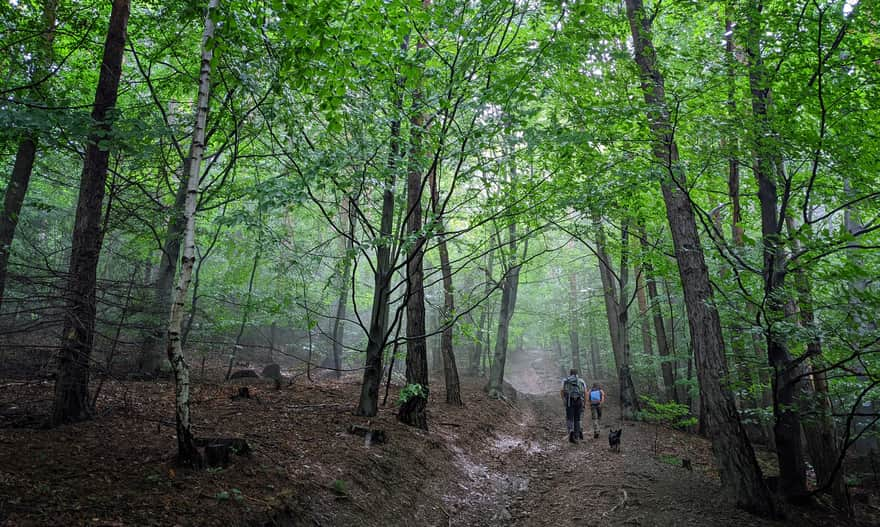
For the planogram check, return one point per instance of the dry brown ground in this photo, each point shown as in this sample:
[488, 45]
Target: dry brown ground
[489, 463]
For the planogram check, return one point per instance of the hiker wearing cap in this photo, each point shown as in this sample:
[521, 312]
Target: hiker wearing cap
[597, 399]
[573, 391]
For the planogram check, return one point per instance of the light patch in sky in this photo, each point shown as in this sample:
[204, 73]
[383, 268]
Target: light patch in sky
[848, 7]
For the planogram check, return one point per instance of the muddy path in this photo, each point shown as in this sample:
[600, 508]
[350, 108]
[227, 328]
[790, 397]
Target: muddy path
[545, 480]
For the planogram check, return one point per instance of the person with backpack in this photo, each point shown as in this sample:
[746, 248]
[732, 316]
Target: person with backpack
[573, 391]
[597, 399]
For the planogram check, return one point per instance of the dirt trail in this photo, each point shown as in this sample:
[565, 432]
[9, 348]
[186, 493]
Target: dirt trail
[555, 482]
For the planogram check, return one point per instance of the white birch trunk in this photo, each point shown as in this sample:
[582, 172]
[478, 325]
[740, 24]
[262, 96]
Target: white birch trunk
[186, 449]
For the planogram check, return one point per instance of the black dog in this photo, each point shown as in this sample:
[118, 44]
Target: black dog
[614, 439]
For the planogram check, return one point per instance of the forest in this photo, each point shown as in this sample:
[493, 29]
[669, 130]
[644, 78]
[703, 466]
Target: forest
[328, 262]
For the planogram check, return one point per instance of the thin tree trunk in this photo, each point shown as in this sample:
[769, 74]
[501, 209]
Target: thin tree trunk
[450, 369]
[618, 318]
[738, 467]
[22, 169]
[72, 384]
[368, 405]
[485, 323]
[342, 301]
[187, 453]
[508, 305]
[660, 330]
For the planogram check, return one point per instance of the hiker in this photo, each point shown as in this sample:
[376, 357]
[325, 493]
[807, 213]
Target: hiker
[597, 399]
[573, 391]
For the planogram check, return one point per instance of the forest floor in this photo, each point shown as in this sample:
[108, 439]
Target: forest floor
[492, 462]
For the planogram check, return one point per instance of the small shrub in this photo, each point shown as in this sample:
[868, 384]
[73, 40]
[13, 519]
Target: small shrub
[412, 390]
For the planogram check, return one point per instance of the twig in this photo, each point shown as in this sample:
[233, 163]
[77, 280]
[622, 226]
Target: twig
[622, 502]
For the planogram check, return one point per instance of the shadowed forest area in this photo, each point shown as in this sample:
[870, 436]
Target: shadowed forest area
[285, 263]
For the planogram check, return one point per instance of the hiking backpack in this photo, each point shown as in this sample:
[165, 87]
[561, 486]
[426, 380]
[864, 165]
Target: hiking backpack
[595, 396]
[572, 388]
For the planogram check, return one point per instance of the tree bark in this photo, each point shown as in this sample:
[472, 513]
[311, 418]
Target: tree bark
[71, 387]
[660, 330]
[738, 467]
[26, 154]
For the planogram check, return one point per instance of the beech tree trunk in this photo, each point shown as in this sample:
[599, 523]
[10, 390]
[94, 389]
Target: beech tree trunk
[739, 471]
[187, 453]
[71, 387]
[26, 154]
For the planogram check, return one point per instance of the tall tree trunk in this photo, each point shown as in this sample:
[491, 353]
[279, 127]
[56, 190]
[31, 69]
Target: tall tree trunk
[368, 405]
[187, 453]
[787, 427]
[412, 411]
[738, 467]
[72, 384]
[342, 301]
[573, 321]
[20, 178]
[450, 369]
[618, 317]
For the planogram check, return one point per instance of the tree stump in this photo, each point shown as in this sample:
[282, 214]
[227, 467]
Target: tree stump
[217, 455]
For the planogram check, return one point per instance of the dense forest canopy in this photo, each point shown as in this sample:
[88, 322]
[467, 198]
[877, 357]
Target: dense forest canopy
[680, 197]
